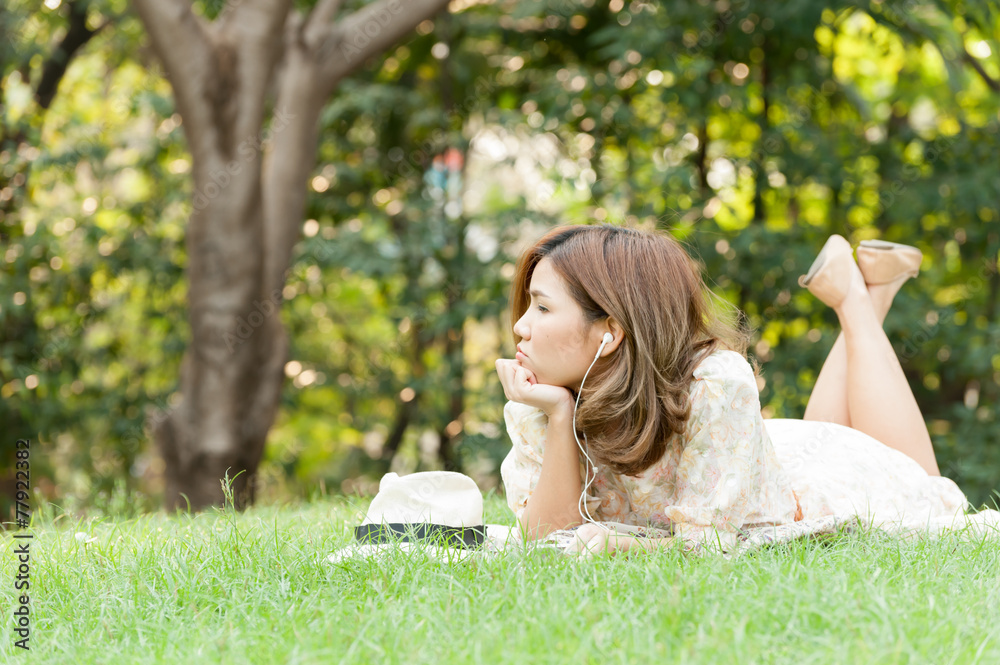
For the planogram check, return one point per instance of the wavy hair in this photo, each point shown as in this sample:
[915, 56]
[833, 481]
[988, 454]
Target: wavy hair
[636, 398]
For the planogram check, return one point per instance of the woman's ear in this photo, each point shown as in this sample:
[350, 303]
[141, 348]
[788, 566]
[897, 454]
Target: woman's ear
[616, 331]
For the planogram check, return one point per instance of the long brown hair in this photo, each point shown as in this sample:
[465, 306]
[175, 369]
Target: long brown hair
[635, 399]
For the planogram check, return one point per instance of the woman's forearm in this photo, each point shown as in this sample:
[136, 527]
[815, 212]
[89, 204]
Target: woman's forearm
[592, 539]
[554, 504]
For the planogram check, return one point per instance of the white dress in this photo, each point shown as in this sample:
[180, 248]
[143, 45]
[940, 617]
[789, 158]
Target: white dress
[732, 469]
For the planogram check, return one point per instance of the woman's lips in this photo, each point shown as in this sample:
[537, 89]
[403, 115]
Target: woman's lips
[521, 355]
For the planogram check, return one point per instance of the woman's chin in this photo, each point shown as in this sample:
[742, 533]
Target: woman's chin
[542, 378]
[552, 381]
[538, 378]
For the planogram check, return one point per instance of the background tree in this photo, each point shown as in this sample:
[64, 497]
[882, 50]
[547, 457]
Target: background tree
[247, 208]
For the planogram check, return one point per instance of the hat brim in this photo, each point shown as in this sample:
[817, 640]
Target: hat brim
[498, 538]
[384, 550]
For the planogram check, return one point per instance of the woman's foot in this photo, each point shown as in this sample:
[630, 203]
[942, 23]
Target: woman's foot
[834, 277]
[885, 267]
[882, 262]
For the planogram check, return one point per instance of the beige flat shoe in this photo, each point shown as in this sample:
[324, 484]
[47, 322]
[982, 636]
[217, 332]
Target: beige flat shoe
[829, 277]
[882, 262]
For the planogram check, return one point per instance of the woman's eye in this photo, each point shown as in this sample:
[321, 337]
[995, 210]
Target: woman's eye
[541, 308]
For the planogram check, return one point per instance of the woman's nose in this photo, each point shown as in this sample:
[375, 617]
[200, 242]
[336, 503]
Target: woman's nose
[521, 328]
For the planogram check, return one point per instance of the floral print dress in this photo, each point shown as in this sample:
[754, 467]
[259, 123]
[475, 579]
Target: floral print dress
[732, 469]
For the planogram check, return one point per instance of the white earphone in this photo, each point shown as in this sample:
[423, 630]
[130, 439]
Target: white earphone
[582, 503]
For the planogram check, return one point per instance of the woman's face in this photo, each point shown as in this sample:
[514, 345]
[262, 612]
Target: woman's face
[557, 344]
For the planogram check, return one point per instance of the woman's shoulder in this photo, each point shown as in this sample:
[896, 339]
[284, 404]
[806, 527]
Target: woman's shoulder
[724, 379]
[724, 365]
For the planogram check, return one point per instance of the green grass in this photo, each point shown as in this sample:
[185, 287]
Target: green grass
[221, 587]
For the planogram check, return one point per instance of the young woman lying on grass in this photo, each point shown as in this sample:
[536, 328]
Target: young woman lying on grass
[669, 408]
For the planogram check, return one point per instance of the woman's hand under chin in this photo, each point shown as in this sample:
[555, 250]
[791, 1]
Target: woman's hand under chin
[520, 385]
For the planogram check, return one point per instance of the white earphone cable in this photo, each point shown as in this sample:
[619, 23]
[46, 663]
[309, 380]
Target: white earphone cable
[582, 503]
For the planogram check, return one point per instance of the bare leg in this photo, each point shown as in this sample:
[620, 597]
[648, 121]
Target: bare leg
[828, 400]
[879, 398]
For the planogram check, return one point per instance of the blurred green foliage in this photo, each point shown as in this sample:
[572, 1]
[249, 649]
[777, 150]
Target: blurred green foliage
[751, 131]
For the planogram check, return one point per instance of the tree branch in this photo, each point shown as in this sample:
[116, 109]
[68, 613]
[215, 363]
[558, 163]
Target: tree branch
[310, 74]
[319, 25]
[369, 31]
[290, 157]
[993, 84]
[181, 41]
[219, 71]
[55, 67]
[922, 35]
[255, 33]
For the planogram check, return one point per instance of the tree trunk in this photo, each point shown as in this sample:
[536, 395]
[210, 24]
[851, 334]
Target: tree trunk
[760, 170]
[701, 163]
[249, 198]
